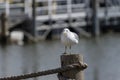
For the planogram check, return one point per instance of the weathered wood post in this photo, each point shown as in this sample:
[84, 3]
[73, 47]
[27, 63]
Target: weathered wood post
[69, 12]
[4, 31]
[96, 27]
[106, 12]
[34, 17]
[68, 59]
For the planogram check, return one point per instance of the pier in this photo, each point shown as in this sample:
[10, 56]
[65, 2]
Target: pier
[49, 15]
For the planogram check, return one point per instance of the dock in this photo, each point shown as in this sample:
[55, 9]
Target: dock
[55, 15]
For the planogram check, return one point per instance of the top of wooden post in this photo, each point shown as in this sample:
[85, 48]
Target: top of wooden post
[68, 59]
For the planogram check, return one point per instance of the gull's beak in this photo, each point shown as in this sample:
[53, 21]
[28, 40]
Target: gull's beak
[64, 33]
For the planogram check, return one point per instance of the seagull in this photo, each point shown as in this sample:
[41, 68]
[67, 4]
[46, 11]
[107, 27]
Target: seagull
[68, 39]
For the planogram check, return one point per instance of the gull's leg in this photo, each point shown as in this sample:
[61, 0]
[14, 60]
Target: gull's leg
[65, 50]
[70, 49]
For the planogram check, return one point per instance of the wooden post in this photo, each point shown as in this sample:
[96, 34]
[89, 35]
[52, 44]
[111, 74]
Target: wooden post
[50, 12]
[106, 12]
[96, 27]
[69, 12]
[4, 31]
[7, 7]
[68, 59]
[34, 17]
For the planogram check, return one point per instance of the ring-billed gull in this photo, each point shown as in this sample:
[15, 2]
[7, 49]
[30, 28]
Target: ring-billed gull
[69, 38]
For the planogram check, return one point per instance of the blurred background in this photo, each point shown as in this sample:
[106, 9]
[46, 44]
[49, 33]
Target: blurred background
[30, 36]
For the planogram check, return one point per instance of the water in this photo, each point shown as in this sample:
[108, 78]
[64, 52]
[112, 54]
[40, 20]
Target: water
[101, 54]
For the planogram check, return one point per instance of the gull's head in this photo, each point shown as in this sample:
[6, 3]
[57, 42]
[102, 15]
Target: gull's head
[66, 30]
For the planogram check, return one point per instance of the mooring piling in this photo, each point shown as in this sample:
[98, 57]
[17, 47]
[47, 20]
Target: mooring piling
[72, 67]
[68, 59]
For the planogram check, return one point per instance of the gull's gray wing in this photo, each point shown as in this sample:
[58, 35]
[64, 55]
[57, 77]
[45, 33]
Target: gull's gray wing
[76, 36]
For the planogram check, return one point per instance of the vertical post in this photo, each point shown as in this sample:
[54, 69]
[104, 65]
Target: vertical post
[50, 12]
[87, 8]
[7, 7]
[69, 12]
[96, 27]
[4, 31]
[106, 12]
[54, 6]
[26, 6]
[34, 17]
[68, 59]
